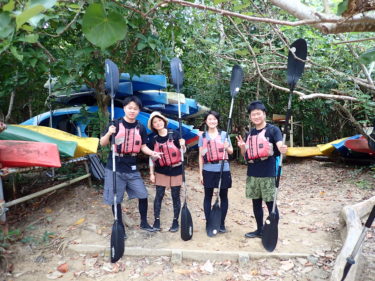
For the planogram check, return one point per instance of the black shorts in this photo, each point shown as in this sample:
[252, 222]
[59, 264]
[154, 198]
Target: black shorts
[211, 179]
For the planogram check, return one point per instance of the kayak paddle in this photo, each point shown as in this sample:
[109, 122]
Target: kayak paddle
[118, 230]
[350, 260]
[186, 220]
[214, 219]
[294, 72]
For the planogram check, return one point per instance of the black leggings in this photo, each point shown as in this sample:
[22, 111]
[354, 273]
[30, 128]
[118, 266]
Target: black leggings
[258, 212]
[175, 192]
[208, 193]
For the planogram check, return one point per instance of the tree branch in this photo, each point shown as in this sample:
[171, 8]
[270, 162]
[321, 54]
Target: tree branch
[326, 23]
[301, 95]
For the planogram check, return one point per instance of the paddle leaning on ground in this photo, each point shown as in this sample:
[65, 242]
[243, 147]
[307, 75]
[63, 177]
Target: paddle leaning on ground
[296, 64]
[351, 259]
[118, 229]
[214, 219]
[186, 220]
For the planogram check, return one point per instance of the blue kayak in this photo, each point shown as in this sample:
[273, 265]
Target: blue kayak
[342, 149]
[145, 82]
[62, 120]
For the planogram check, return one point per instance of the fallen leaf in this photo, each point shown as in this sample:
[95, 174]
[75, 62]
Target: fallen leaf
[48, 210]
[54, 275]
[63, 268]
[78, 273]
[208, 267]
[91, 262]
[287, 265]
[182, 271]
[80, 221]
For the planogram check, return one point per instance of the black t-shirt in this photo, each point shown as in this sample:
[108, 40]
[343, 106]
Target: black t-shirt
[266, 168]
[126, 164]
[169, 171]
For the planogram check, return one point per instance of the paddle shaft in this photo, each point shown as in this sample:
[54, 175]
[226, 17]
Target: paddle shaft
[225, 152]
[113, 150]
[350, 260]
[180, 131]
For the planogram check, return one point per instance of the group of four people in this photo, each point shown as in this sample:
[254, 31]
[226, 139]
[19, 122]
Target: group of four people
[260, 148]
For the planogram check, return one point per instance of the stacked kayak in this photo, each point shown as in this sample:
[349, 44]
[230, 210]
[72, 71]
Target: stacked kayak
[308, 151]
[62, 118]
[28, 154]
[360, 145]
[148, 88]
[351, 147]
[84, 145]
[66, 148]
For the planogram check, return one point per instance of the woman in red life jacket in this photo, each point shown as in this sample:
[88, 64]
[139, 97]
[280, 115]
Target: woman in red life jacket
[260, 148]
[130, 138]
[165, 172]
[213, 149]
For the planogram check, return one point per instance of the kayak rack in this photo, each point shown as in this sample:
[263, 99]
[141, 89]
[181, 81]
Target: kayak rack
[4, 206]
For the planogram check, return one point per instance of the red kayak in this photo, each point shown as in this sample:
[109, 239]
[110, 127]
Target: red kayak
[359, 145]
[28, 154]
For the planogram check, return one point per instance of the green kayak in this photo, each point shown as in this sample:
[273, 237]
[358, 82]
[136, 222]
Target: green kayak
[66, 148]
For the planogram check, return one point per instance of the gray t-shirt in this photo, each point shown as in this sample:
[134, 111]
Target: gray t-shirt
[214, 167]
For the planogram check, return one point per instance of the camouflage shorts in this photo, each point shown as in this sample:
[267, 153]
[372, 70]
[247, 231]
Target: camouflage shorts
[260, 188]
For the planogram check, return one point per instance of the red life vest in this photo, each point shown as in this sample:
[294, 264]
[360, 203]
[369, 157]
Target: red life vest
[171, 154]
[258, 147]
[128, 141]
[213, 150]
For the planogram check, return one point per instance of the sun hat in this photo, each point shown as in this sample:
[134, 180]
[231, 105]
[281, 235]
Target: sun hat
[156, 114]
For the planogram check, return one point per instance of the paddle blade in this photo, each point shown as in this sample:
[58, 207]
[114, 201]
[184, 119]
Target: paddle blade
[117, 241]
[186, 223]
[96, 167]
[112, 77]
[296, 66]
[213, 224]
[270, 232]
[177, 73]
[236, 80]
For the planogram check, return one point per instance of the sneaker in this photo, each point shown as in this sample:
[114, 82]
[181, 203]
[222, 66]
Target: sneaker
[147, 227]
[254, 234]
[222, 229]
[174, 227]
[156, 225]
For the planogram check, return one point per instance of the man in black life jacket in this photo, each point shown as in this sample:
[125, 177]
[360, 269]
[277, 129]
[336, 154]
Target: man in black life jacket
[130, 139]
[260, 148]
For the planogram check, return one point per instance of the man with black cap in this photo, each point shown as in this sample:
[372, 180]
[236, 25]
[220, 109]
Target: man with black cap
[261, 147]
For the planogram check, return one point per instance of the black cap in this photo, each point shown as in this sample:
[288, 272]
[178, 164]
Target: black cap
[256, 105]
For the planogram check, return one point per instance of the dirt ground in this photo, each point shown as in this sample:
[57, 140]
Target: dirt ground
[312, 193]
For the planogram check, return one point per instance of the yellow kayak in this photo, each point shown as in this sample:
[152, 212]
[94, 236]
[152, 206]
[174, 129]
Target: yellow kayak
[308, 151]
[84, 145]
[328, 148]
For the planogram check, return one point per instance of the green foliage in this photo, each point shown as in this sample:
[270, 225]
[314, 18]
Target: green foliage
[368, 56]
[10, 237]
[342, 7]
[102, 28]
[6, 28]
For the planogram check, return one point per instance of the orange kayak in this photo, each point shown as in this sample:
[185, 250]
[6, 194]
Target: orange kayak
[28, 154]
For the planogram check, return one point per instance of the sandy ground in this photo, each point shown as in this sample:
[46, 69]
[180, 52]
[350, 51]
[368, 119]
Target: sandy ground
[312, 193]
